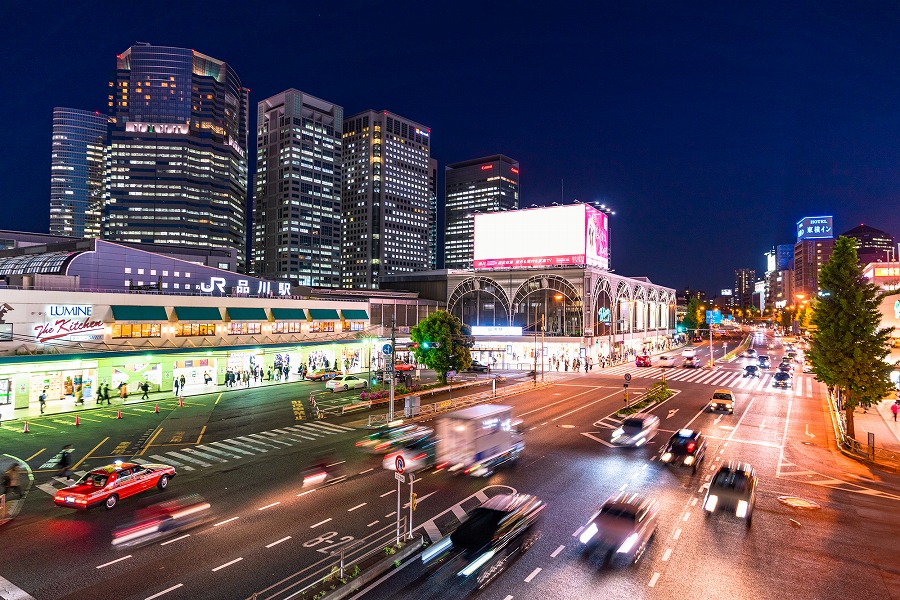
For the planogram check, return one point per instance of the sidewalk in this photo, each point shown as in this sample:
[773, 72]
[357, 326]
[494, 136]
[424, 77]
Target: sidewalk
[880, 421]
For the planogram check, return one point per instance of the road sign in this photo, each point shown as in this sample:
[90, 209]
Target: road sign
[714, 317]
[627, 376]
[400, 463]
[400, 477]
[387, 349]
[414, 500]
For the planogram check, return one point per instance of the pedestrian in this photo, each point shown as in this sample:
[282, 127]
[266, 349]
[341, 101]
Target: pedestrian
[894, 409]
[11, 480]
[79, 396]
[65, 461]
[123, 391]
[181, 381]
[43, 400]
[145, 388]
[176, 386]
[105, 391]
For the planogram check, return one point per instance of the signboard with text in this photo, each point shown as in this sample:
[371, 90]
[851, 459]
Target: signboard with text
[815, 228]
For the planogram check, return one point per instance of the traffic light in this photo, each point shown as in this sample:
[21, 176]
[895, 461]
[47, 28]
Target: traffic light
[426, 345]
[429, 345]
[415, 345]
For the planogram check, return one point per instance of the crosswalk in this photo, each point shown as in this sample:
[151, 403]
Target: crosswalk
[803, 385]
[209, 454]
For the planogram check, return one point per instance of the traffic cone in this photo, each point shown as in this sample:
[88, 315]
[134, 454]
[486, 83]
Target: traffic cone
[25, 430]
[157, 408]
[120, 414]
[77, 421]
[180, 401]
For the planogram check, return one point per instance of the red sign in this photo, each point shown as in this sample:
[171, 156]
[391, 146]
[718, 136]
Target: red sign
[487, 167]
[514, 170]
[65, 327]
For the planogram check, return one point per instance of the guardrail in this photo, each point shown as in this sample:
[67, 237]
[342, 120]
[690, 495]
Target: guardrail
[854, 448]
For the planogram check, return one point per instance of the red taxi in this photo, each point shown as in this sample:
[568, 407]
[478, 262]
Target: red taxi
[642, 361]
[404, 367]
[107, 485]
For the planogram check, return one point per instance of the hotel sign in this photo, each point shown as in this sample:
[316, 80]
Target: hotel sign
[68, 322]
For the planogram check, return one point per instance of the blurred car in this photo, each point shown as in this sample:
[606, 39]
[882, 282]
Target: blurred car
[785, 368]
[733, 488]
[792, 356]
[763, 361]
[621, 528]
[749, 353]
[807, 367]
[404, 367]
[346, 382]
[751, 371]
[642, 361]
[782, 380]
[477, 367]
[636, 430]
[689, 352]
[696, 339]
[489, 537]
[386, 439]
[162, 520]
[418, 455]
[686, 447]
[692, 362]
[322, 375]
[666, 360]
[107, 485]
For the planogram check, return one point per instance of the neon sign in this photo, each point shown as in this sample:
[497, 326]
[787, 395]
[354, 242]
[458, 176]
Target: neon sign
[487, 167]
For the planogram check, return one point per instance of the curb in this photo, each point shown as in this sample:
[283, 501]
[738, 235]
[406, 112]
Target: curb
[376, 571]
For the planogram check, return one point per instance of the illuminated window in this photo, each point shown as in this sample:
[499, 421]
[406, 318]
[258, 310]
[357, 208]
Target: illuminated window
[288, 327]
[195, 329]
[322, 327]
[244, 328]
[135, 330]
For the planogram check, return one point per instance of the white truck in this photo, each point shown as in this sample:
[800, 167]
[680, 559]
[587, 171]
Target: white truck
[478, 439]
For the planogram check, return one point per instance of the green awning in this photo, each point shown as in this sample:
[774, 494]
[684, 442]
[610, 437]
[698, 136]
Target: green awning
[288, 314]
[198, 313]
[139, 313]
[323, 314]
[354, 314]
[247, 314]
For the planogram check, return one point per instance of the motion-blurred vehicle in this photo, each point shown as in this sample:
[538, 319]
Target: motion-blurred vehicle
[696, 339]
[686, 447]
[782, 380]
[733, 489]
[477, 367]
[477, 440]
[636, 430]
[666, 360]
[322, 375]
[621, 528]
[689, 352]
[763, 361]
[792, 356]
[785, 368]
[418, 455]
[691, 362]
[388, 438]
[751, 371]
[162, 520]
[642, 361]
[489, 538]
[404, 367]
[807, 367]
[107, 485]
[722, 400]
[749, 353]
[346, 382]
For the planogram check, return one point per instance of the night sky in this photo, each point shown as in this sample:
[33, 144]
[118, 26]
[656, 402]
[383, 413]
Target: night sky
[711, 129]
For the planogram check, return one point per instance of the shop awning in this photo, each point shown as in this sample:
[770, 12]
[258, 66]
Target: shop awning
[354, 314]
[247, 314]
[289, 314]
[139, 313]
[198, 313]
[323, 314]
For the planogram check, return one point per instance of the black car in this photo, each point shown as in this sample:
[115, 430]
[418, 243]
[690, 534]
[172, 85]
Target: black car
[763, 361]
[732, 489]
[785, 368]
[782, 379]
[477, 367]
[751, 371]
[686, 447]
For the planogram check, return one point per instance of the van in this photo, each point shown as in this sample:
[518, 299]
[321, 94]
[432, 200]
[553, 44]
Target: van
[666, 361]
[689, 352]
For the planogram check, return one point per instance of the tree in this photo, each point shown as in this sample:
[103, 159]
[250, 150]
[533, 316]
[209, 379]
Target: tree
[848, 345]
[443, 343]
[693, 315]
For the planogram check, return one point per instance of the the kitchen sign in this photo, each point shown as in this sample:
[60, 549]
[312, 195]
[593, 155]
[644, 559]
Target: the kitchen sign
[67, 321]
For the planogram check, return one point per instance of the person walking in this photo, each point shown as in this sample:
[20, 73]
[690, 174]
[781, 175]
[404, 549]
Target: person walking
[181, 381]
[43, 400]
[11, 480]
[894, 409]
[176, 387]
[145, 388]
[79, 396]
[106, 393]
[65, 461]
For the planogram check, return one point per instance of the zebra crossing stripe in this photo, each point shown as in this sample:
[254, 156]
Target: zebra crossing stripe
[233, 448]
[217, 451]
[293, 437]
[212, 457]
[249, 442]
[344, 427]
[167, 460]
[190, 459]
[431, 529]
[308, 431]
[324, 427]
[266, 438]
[300, 435]
[46, 487]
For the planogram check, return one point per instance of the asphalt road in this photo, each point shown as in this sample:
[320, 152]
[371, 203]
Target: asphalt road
[267, 532]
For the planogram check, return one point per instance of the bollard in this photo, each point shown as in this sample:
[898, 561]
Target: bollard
[120, 414]
[180, 401]
[77, 421]
[25, 430]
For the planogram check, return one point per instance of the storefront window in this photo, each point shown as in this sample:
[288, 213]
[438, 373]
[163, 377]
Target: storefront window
[354, 325]
[194, 329]
[288, 327]
[322, 327]
[135, 330]
[244, 328]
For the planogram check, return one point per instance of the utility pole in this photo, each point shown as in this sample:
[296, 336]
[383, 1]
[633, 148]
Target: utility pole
[393, 362]
[542, 348]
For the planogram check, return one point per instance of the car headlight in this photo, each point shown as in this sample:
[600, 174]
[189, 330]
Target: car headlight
[711, 502]
[628, 543]
[588, 533]
[617, 433]
[666, 457]
[688, 460]
[742, 507]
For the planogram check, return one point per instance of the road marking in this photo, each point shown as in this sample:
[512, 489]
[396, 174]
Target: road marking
[390, 514]
[200, 437]
[677, 534]
[219, 398]
[508, 598]
[229, 563]
[42, 449]
[75, 466]
[357, 506]
[165, 591]
[687, 515]
[375, 522]
[762, 424]
[533, 575]
[653, 580]
[320, 523]
[275, 543]
[666, 555]
[366, 471]
[577, 531]
[556, 552]
[268, 506]
[812, 435]
[225, 521]
[387, 493]
[306, 492]
[181, 537]
[694, 501]
[672, 412]
[112, 562]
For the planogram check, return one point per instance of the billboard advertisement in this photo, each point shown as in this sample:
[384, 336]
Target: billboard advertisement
[815, 228]
[542, 237]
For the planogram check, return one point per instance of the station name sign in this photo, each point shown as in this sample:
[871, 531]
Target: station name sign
[68, 321]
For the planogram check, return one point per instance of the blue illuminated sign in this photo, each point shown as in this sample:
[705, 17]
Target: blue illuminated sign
[815, 228]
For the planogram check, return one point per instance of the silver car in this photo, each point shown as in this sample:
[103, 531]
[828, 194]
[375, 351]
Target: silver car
[622, 527]
[733, 489]
[636, 430]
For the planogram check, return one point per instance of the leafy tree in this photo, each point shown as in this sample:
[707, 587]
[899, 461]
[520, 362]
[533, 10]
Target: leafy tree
[784, 318]
[693, 316]
[444, 343]
[848, 345]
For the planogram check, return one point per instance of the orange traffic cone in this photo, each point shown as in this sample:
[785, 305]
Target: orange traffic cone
[157, 407]
[25, 430]
[180, 401]
[77, 421]
[120, 414]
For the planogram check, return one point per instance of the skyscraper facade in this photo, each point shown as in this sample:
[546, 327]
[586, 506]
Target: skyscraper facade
[76, 172]
[297, 205]
[873, 245]
[744, 281]
[809, 256]
[387, 198]
[177, 154]
[481, 185]
[432, 213]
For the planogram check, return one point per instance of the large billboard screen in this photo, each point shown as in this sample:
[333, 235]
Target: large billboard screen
[815, 228]
[542, 237]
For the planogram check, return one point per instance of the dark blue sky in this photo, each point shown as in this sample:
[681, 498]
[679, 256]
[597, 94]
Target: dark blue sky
[710, 128]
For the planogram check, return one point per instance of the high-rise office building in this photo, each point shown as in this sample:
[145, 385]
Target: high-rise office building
[387, 198]
[482, 185]
[809, 256]
[76, 172]
[744, 282]
[432, 214]
[297, 205]
[873, 245]
[177, 154]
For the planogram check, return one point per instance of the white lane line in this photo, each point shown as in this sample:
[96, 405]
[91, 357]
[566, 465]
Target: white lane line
[687, 516]
[180, 537]
[556, 552]
[340, 462]
[165, 591]
[694, 501]
[268, 506]
[229, 563]
[275, 543]
[306, 492]
[112, 562]
[375, 522]
[577, 531]
[677, 534]
[225, 521]
[366, 471]
[320, 523]
[666, 554]
[533, 575]
[653, 580]
[390, 514]
[357, 506]
[508, 598]
[388, 493]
